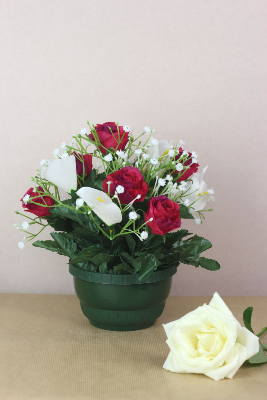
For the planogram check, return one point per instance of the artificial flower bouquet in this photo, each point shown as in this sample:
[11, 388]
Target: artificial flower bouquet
[127, 199]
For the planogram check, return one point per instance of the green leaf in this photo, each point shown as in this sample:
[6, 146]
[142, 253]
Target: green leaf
[68, 247]
[103, 268]
[184, 213]
[91, 236]
[197, 245]
[99, 180]
[74, 194]
[71, 214]
[101, 258]
[48, 245]
[259, 358]
[264, 345]
[131, 243]
[62, 224]
[122, 268]
[172, 238]
[209, 264]
[149, 263]
[85, 255]
[191, 260]
[130, 260]
[90, 181]
[152, 241]
[247, 314]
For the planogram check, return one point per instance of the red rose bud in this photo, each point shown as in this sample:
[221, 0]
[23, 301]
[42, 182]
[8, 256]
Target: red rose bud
[34, 208]
[88, 164]
[165, 214]
[109, 140]
[132, 181]
[186, 173]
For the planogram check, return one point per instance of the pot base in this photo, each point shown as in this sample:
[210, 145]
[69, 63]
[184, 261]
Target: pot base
[122, 320]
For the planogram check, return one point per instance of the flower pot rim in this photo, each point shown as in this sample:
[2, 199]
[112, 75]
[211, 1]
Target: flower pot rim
[110, 279]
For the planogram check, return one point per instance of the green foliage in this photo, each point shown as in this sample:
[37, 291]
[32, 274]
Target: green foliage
[207, 263]
[184, 213]
[260, 357]
[48, 245]
[149, 263]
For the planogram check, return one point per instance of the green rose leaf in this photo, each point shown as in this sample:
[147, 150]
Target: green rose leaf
[90, 181]
[247, 314]
[68, 247]
[197, 245]
[122, 268]
[258, 358]
[184, 213]
[48, 245]
[131, 243]
[148, 264]
[86, 255]
[99, 180]
[130, 260]
[209, 264]
[101, 258]
[103, 268]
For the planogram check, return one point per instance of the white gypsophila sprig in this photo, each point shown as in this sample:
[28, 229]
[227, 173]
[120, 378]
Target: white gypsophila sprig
[210, 191]
[83, 131]
[194, 161]
[79, 203]
[108, 157]
[21, 245]
[147, 129]
[194, 154]
[121, 154]
[138, 151]
[187, 203]
[179, 167]
[144, 235]
[43, 162]
[120, 189]
[145, 156]
[154, 142]
[26, 198]
[56, 152]
[169, 178]
[25, 225]
[171, 153]
[127, 128]
[154, 161]
[185, 153]
[64, 155]
[63, 145]
[182, 143]
[161, 182]
[133, 215]
[197, 221]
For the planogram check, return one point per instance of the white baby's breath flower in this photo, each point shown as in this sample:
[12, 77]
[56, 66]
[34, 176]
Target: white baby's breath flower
[121, 154]
[171, 153]
[182, 143]
[138, 151]
[21, 245]
[64, 155]
[119, 189]
[194, 154]
[161, 182]
[147, 129]
[25, 225]
[154, 161]
[144, 235]
[194, 160]
[26, 198]
[154, 142]
[83, 131]
[73, 141]
[127, 128]
[169, 178]
[43, 162]
[63, 145]
[179, 167]
[210, 191]
[187, 203]
[108, 157]
[185, 153]
[145, 156]
[197, 221]
[133, 215]
[79, 203]
[55, 152]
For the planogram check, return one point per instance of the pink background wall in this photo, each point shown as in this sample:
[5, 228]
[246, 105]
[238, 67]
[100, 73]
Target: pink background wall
[192, 69]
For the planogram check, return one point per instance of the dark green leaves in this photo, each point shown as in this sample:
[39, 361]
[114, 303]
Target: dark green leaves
[184, 213]
[209, 264]
[149, 263]
[67, 246]
[48, 245]
[86, 255]
[260, 357]
[95, 181]
[247, 314]
[130, 260]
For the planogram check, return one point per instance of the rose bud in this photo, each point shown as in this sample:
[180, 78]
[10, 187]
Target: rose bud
[88, 165]
[165, 214]
[131, 180]
[193, 167]
[40, 211]
[109, 140]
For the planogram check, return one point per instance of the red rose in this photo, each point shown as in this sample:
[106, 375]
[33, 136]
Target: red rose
[34, 208]
[132, 181]
[165, 214]
[185, 174]
[107, 139]
[88, 165]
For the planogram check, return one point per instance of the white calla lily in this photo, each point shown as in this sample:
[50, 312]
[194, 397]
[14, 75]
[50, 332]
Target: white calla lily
[158, 147]
[101, 204]
[197, 193]
[62, 173]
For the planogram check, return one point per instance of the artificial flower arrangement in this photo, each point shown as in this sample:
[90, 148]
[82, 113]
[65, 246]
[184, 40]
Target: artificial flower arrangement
[124, 215]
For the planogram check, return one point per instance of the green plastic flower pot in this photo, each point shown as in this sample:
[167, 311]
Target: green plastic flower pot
[121, 302]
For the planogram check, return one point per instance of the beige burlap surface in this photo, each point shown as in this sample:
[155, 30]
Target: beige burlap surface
[48, 350]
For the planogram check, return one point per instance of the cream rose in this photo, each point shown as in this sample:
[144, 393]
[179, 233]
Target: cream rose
[209, 341]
